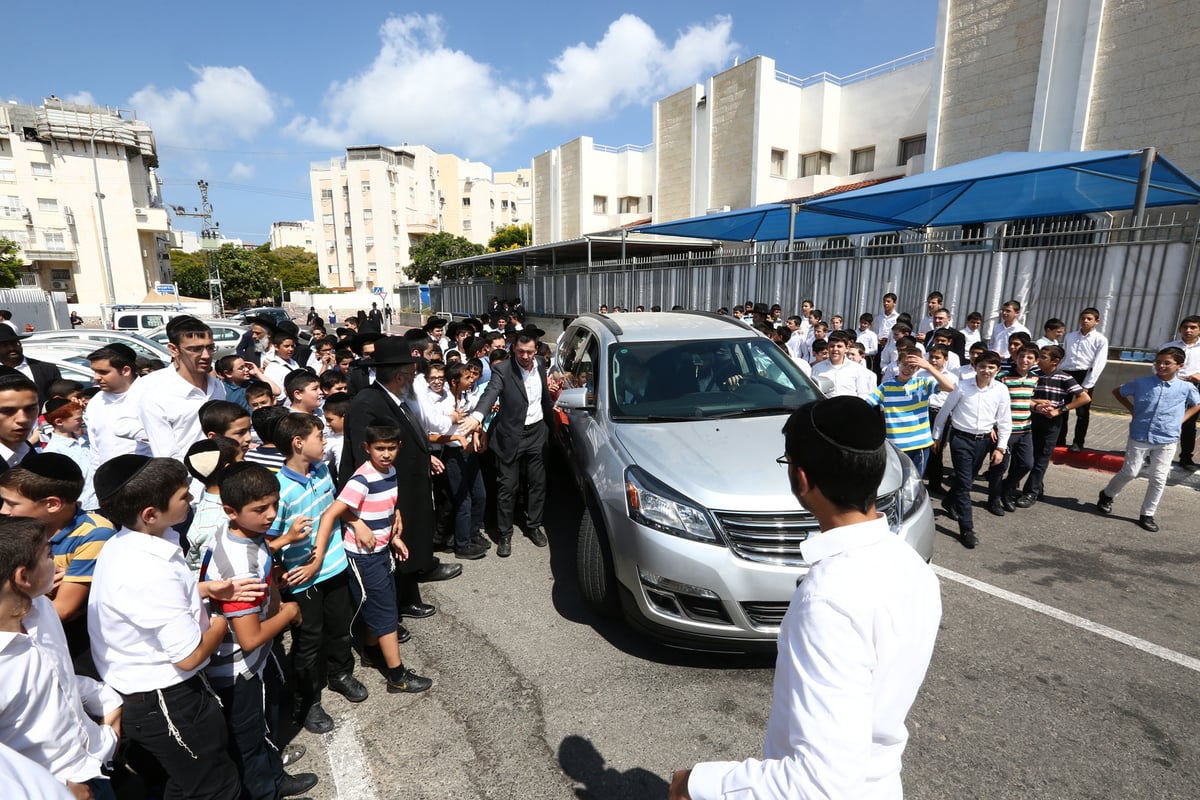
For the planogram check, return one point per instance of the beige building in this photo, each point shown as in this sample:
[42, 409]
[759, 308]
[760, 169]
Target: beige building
[749, 135]
[79, 195]
[1043, 75]
[372, 205]
[294, 234]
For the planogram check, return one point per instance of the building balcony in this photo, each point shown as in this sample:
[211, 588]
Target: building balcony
[151, 219]
[51, 255]
[422, 223]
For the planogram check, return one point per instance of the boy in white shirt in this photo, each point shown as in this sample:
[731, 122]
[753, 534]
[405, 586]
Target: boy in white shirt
[1189, 343]
[1087, 355]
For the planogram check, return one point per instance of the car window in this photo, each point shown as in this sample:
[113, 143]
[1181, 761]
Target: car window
[573, 348]
[127, 321]
[699, 379]
[151, 321]
[225, 334]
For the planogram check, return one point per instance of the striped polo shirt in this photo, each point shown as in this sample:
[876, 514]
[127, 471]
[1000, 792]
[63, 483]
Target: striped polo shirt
[237, 556]
[372, 496]
[1020, 393]
[905, 411]
[77, 545]
[308, 495]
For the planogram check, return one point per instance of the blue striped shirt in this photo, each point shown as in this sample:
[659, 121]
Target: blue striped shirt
[308, 496]
[905, 411]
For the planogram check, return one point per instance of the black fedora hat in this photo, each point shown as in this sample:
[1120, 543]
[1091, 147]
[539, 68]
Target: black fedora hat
[7, 334]
[389, 351]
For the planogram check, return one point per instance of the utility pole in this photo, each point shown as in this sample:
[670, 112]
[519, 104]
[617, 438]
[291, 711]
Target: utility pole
[210, 240]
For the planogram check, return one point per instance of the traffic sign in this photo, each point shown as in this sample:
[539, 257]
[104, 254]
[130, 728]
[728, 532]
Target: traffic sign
[378, 290]
[164, 288]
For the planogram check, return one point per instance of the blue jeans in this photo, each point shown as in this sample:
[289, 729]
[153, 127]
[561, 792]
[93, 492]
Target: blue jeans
[259, 763]
[467, 496]
[919, 458]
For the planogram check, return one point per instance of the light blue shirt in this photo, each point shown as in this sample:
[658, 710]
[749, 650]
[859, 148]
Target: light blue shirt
[1158, 407]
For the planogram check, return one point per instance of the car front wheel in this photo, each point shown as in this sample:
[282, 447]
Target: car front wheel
[597, 579]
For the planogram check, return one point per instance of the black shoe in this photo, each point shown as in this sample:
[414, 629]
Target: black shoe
[1188, 464]
[348, 687]
[441, 572]
[1025, 501]
[482, 541]
[471, 552]
[407, 681]
[417, 610]
[995, 507]
[1148, 523]
[316, 720]
[937, 490]
[950, 510]
[504, 546]
[1075, 448]
[969, 539]
[292, 753]
[441, 545]
[1104, 504]
[402, 635]
[1007, 503]
[537, 535]
[299, 783]
[372, 657]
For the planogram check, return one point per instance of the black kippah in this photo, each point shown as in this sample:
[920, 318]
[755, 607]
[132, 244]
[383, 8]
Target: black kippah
[53, 465]
[116, 472]
[848, 424]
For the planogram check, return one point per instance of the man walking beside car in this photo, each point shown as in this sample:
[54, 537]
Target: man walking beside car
[858, 635]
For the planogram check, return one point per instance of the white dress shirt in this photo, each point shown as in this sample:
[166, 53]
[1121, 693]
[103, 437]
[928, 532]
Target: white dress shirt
[854, 648]
[1191, 353]
[970, 337]
[22, 777]
[169, 408]
[276, 370]
[44, 705]
[144, 613]
[884, 323]
[114, 426]
[533, 389]
[1088, 352]
[869, 340]
[436, 409]
[977, 411]
[1000, 334]
[14, 457]
[850, 379]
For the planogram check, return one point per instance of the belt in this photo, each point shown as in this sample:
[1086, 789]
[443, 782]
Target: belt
[192, 684]
[533, 425]
[975, 436]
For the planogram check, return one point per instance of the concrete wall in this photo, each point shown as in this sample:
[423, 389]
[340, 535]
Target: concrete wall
[733, 104]
[571, 187]
[674, 138]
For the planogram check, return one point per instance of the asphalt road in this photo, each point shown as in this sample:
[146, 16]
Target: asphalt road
[536, 698]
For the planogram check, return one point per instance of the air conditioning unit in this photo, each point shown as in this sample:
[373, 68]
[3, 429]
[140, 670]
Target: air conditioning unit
[59, 285]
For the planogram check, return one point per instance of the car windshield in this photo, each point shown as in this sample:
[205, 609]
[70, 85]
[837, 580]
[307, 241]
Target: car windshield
[664, 381]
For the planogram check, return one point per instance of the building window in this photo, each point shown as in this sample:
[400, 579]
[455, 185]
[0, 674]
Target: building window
[599, 204]
[333, 268]
[8, 175]
[346, 218]
[55, 240]
[815, 164]
[466, 225]
[778, 163]
[910, 148]
[10, 206]
[365, 186]
[47, 204]
[327, 219]
[368, 215]
[327, 194]
[503, 203]
[60, 274]
[371, 267]
[649, 204]
[369, 241]
[629, 205]
[466, 202]
[862, 160]
[40, 169]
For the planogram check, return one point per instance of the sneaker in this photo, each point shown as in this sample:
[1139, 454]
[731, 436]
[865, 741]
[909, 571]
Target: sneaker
[471, 551]
[348, 687]
[292, 785]
[405, 680]
[950, 510]
[969, 539]
[1147, 522]
[1188, 464]
[1026, 500]
[292, 753]
[1006, 502]
[537, 535]
[1104, 504]
[482, 541]
[316, 720]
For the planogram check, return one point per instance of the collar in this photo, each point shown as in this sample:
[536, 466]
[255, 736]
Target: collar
[158, 546]
[75, 522]
[296, 476]
[836, 541]
[7, 453]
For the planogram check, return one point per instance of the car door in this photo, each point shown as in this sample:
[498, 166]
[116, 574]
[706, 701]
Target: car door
[575, 369]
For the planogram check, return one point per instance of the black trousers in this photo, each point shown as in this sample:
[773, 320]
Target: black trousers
[183, 728]
[527, 467]
[321, 644]
[1045, 438]
[1083, 415]
[934, 468]
[1018, 460]
[247, 704]
[467, 496]
[967, 455]
[1187, 441]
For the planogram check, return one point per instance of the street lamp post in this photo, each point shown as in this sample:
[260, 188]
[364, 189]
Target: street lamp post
[108, 274]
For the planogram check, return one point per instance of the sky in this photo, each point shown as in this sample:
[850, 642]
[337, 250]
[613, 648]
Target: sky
[246, 95]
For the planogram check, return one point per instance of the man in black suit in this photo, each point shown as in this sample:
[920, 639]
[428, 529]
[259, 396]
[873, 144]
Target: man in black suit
[383, 403]
[13, 357]
[517, 438]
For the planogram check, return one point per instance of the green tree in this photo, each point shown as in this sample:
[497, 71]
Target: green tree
[245, 275]
[510, 237]
[10, 263]
[190, 271]
[295, 266]
[429, 253]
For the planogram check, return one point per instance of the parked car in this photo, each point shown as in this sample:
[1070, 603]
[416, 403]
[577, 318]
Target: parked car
[72, 366]
[95, 338]
[226, 335]
[671, 424]
[142, 320]
[274, 313]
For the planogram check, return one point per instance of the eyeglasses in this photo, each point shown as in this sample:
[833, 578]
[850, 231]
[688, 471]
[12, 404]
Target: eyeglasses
[783, 459]
[196, 349]
[433, 378]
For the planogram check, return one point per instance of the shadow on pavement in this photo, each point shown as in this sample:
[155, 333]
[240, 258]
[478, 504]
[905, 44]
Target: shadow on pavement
[579, 758]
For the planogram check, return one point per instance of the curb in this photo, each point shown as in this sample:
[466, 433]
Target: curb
[1089, 459]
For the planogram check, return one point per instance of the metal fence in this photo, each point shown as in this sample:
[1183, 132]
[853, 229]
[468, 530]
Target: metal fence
[33, 309]
[1143, 279]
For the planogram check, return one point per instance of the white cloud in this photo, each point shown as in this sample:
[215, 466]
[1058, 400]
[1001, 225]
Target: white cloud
[420, 90]
[240, 171]
[224, 102]
[83, 98]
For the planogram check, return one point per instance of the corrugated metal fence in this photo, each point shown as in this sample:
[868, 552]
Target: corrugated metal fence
[45, 311]
[1142, 279]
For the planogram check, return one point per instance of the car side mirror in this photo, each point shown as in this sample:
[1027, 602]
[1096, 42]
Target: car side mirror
[576, 400]
[826, 385]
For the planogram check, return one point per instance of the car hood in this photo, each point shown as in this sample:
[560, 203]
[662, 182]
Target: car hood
[726, 464]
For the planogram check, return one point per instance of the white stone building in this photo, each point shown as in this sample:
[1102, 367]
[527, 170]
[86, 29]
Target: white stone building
[749, 135]
[294, 234]
[75, 216]
[372, 205]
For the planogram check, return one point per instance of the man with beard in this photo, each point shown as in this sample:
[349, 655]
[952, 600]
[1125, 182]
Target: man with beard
[256, 340]
[390, 401]
[13, 357]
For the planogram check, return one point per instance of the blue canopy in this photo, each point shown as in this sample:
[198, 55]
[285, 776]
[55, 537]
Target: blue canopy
[1005, 186]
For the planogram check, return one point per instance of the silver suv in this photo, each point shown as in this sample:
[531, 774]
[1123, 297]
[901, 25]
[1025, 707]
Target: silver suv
[671, 424]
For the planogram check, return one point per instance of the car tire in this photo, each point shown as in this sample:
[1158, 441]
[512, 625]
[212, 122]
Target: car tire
[597, 579]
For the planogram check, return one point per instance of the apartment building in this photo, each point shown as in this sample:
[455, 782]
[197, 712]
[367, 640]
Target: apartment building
[749, 135]
[373, 204]
[79, 196]
[294, 234]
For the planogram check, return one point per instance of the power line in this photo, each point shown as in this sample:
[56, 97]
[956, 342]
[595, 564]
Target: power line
[291, 194]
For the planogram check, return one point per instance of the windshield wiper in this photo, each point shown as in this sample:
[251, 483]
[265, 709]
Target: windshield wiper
[751, 412]
[654, 418]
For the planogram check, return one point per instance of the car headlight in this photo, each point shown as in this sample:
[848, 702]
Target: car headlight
[912, 492]
[657, 506]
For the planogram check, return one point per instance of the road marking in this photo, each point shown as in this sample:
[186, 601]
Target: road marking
[1071, 619]
[344, 749]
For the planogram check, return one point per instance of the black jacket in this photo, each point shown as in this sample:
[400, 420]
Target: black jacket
[508, 386]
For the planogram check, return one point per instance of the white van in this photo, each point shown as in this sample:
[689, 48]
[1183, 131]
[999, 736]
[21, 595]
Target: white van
[143, 319]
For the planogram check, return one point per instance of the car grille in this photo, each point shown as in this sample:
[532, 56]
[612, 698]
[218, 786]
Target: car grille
[776, 537]
[765, 614]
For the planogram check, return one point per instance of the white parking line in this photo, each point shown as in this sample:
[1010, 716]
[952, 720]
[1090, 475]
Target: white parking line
[1071, 619]
[351, 775]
